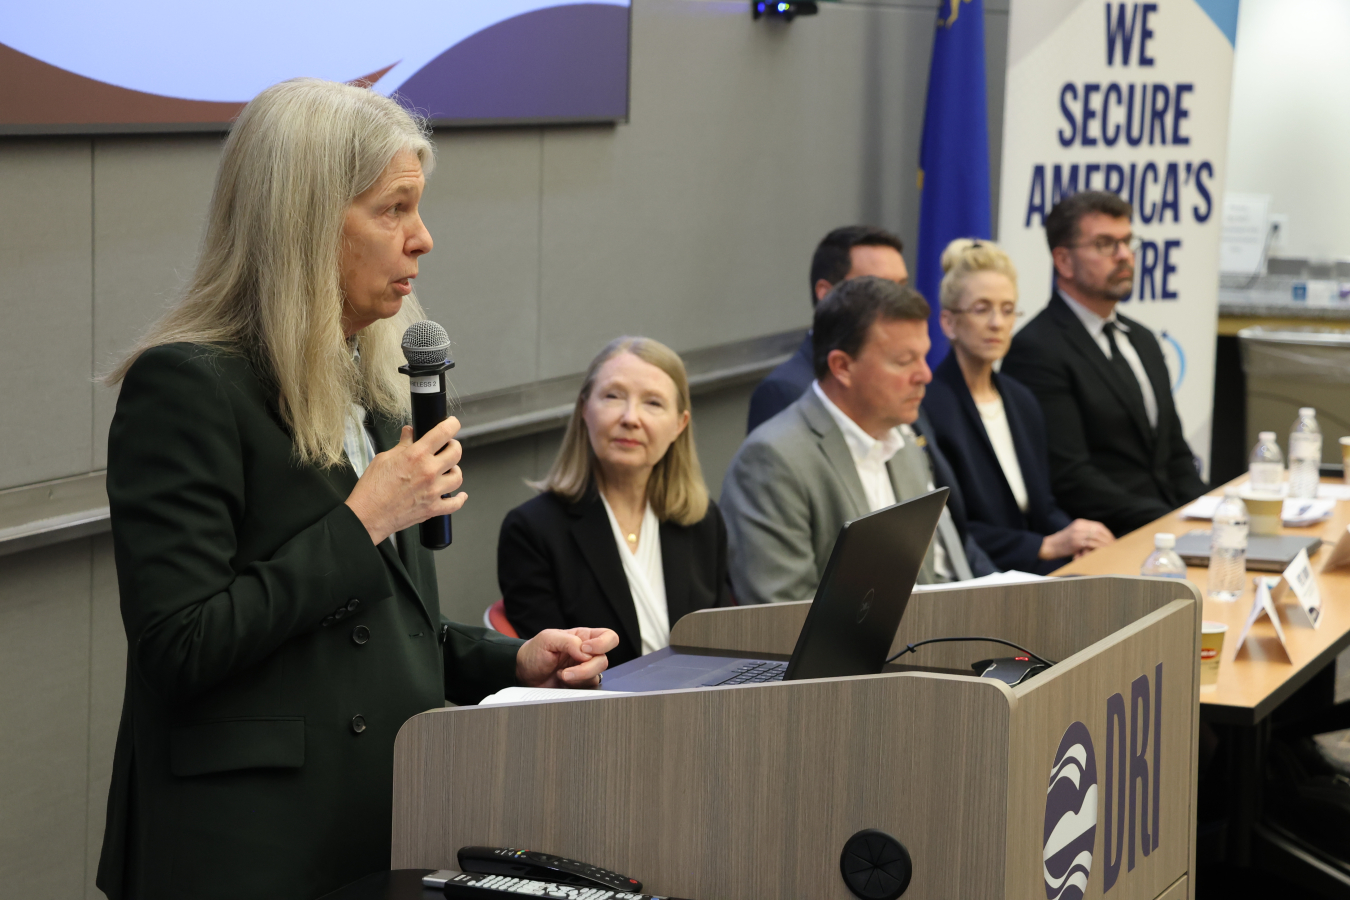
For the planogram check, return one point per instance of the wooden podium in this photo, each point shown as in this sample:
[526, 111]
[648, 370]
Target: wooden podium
[750, 792]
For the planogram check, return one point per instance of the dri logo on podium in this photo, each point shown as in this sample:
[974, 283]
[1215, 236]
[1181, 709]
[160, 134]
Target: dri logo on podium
[1130, 795]
[1070, 816]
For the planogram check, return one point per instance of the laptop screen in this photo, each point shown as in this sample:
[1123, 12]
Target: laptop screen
[865, 589]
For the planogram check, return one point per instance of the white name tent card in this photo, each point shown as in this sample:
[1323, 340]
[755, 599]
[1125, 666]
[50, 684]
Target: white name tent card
[1263, 605]
[1339, 557]
[1301, 580]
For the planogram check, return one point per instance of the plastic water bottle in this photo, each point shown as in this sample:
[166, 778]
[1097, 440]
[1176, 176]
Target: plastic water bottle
[1163, 562]
[1305, 454]
[1266, 469]
[1228, 548]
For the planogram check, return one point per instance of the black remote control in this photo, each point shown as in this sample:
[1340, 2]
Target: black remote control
[476, 886]
[538, 866]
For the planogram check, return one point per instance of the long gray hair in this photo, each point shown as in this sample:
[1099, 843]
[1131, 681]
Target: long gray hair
[266, 282]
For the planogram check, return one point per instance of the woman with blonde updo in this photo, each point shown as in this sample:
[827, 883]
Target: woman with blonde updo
[990, 426]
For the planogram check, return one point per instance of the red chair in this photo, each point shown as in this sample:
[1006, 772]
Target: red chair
[494, 617]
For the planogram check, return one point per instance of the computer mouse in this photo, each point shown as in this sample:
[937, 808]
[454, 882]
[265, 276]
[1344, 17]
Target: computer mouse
[1010, 670]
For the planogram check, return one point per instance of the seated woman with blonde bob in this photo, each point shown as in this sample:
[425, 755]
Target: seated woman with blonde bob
[623, 534]
[990, 427]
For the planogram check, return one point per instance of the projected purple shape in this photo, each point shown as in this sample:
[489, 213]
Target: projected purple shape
[561, 63]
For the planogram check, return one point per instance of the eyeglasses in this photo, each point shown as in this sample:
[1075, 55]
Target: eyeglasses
[1106, 245]
[986, 310]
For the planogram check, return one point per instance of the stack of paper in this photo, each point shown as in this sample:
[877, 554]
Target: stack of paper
[1296, 513]
[1012, 576]
[1306, 512]
[534, 695]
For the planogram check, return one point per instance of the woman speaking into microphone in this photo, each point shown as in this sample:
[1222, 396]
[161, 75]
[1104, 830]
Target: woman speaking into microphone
[281, 615]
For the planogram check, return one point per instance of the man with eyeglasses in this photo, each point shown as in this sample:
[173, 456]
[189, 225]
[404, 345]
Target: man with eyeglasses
[1117, 450]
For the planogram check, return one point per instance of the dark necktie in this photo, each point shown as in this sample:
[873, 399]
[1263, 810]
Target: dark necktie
[1120, 365]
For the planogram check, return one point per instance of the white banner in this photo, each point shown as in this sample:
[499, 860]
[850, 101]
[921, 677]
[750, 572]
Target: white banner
[1131, 98]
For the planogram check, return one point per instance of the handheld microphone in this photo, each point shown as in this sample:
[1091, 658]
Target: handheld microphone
[426, 347]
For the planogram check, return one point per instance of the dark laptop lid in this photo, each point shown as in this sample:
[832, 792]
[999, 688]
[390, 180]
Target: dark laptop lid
[865, 589]
[1265, 552]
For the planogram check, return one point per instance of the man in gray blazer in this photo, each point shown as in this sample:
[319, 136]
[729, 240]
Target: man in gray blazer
[842, 450]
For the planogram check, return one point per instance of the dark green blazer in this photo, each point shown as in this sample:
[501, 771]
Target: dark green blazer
[273, 651]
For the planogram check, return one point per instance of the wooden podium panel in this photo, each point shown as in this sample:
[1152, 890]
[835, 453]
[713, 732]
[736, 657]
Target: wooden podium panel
[746, 792]
[734, 793]
[1162, 646]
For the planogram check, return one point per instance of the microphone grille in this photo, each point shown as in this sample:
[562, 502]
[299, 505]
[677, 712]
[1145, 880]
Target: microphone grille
[425, 344]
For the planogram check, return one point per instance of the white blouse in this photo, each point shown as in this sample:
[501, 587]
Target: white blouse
[646, 578]
[1000, 435]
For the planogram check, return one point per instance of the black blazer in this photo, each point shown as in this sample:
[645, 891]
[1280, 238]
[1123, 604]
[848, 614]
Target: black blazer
[1106, 463]
[781, 387]
[1011, 537]
[558, 567]
[273, 650]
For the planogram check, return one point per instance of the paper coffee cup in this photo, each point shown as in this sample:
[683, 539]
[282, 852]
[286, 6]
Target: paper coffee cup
[1263, 512]
[1211, 649]
[1345, 458]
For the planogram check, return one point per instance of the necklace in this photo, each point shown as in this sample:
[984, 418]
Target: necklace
[632, 539]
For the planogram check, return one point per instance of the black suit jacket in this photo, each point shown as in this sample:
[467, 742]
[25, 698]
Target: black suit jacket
[1106, 463]
[261, 623]
[558, 567]
[1011, 537]
[781, 387]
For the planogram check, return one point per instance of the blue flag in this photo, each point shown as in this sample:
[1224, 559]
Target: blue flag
[954, 156]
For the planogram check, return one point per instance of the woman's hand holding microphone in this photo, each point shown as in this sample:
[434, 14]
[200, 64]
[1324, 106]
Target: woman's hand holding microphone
[404, 485]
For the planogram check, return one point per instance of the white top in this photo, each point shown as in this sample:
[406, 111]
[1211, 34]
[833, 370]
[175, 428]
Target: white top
[646, 578]
[356, 441]
[1000, 435]
[869, 458]
[1095, 326]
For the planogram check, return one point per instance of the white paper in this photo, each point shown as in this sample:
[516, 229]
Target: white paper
[1301, 580]
[1334, 491]
[1305, 512]
[1012, 576]
[1202, 509]
[1262, 604]
[1246, 219]
[1294, 513]
[534, 695]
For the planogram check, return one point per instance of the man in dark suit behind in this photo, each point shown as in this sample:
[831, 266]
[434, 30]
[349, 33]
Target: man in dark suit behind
[848, 252]
[1117, 451]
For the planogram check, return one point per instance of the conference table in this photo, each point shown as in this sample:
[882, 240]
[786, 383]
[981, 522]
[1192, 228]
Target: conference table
[1256, 681]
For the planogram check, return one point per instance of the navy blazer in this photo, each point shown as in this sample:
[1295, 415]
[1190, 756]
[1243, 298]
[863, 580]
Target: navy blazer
[781, 387]
[1011, 537]
[944, 475]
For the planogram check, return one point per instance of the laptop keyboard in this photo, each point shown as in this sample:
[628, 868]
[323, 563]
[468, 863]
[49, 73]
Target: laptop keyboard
[754, 673]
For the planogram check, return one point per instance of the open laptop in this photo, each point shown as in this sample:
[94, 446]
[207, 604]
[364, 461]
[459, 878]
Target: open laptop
[850, 626]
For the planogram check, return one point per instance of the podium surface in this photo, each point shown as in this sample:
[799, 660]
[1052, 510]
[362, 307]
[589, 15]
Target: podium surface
[1078, 781]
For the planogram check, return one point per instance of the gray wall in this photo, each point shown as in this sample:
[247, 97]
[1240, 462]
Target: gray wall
[693, 223]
